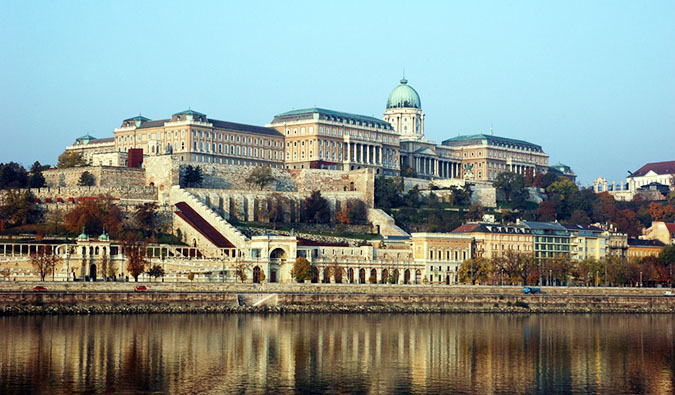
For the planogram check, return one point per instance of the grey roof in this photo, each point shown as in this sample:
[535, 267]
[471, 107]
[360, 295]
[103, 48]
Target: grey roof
[645, 243]
[543, 225]
[239, 127]
[578, 228]
[490, 140]
[329, 115]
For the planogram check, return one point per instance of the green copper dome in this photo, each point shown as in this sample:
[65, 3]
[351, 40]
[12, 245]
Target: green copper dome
[404, 96]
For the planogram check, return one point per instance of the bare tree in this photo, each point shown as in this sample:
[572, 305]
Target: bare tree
[44, 263]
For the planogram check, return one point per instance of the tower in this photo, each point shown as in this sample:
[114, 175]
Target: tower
[404, 112]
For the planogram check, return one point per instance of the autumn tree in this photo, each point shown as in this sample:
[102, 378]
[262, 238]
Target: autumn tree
[70, 159]
[662, 212]
[475, 270]
[302, 269]
[336, 271]
[135, 253]
[94, 215]
[476, 212]
[342, 216]
[316, 209]
[546, 211]
[241, 270]
[260, 177]
[626, 221]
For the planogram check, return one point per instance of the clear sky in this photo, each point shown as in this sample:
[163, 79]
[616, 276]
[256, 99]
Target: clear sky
[593, 82]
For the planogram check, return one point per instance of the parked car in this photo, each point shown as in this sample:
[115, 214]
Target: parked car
[141, 288]
[39, 288]
[669, 293]
[530, 290]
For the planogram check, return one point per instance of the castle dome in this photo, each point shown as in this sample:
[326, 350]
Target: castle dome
[404, 96]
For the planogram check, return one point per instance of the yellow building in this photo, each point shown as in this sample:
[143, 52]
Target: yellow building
[638, 248]
[494, 240]
[192, 136]
[326, 139]
[587, 242]
[90, 148]
[442, 254]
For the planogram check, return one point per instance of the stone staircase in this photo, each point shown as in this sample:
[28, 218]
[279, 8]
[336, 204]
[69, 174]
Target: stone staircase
[219, 223]
[386, 224]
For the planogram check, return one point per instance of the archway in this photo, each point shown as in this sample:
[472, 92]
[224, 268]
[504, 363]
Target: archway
[373, 276]
[273, 274]
[406, 276]
[447, 279]
[278, 254]
[350, 275]
[326, 275]
[362, 276]
[396, 274]
[385, 276]
[256, 274]
[418, 274]
[92, 272]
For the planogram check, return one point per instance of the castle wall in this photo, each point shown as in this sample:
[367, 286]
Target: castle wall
[104, 176]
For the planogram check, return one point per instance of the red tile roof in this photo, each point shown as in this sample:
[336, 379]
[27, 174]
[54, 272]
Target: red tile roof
[657, 167]
[671, 229]
[466, 228]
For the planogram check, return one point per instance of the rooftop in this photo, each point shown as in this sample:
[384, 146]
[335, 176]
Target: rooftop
[644, 243]
[656, 167]
[330, 115]
[492, 228]
[490, 140]
[238, 127]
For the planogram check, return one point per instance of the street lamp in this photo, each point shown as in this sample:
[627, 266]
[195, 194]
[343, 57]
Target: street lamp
[640, 279]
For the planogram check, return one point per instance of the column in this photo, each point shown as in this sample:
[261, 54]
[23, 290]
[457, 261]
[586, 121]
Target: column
[349, 152]
[367, 154]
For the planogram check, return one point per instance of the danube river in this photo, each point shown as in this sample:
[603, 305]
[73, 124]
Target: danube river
[458, 353]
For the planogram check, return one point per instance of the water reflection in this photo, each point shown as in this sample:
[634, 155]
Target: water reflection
[338, 353]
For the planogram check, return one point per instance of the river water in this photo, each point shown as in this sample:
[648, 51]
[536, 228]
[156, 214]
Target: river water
[458, 353]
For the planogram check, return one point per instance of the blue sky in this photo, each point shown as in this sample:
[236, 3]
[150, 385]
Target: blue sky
[592, 82]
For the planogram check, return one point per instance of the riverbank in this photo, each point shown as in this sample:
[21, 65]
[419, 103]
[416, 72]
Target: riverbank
[110, 298]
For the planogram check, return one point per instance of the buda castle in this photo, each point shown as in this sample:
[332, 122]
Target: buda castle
[319, 138]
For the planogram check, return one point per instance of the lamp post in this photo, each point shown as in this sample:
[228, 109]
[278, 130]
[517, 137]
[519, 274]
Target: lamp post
[640, 279]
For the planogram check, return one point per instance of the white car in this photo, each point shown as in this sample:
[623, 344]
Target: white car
[669, 293]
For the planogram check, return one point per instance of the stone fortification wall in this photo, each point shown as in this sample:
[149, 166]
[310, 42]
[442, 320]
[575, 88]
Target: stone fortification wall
[69, 195]
[164, 172]
[104, 176]
[254, 206]
[484, 193]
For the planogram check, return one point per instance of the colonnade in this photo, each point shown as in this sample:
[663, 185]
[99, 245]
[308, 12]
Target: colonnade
[370, 154]
[437, 167]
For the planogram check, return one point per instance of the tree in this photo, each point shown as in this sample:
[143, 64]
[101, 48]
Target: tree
[135, 253]
[579, 217]
[241, 269]
[86, 179]
[145, 218]
[316, 209]
[70, 159]
[388, 192]
[94, 215]
[12, 175]
[35, 178]
[546, 211]
[191, 177]
[342, 216]
[475, 270]
[357, 212]
[561, 194]
[626, 221]
[336, 271]
[5, 273]
[275, 208]
[302, 269]
[412, 197]
[44, 262]
[19, 208]
[191, 276]
[156, 271]
[476, 212]
[512, 187]
[260, 176]
[662, 212]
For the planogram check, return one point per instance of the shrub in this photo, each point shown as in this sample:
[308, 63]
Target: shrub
[522, 304]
